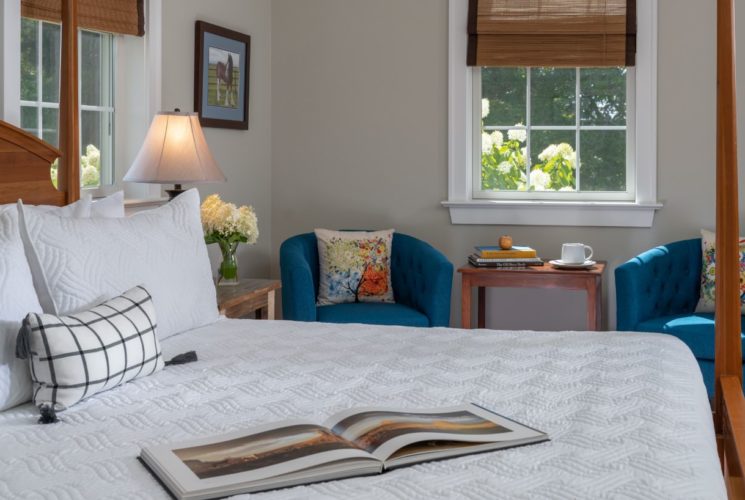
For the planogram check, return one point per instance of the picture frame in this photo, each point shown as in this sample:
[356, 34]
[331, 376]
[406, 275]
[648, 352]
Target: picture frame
[222, 64]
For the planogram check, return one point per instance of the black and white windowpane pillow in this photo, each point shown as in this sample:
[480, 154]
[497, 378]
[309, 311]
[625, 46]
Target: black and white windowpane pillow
[73, 357]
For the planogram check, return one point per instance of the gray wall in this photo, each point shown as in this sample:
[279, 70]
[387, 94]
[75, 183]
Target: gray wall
[359, 138]
[244, 156]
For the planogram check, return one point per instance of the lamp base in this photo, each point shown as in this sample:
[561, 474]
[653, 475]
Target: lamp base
[172, 193]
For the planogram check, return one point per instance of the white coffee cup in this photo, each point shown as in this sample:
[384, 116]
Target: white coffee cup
[575, 253]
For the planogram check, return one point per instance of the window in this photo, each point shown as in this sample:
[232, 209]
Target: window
[553, 133]
[552, 146]
[40, 70]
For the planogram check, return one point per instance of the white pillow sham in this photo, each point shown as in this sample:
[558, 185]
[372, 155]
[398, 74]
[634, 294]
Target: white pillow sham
[80, 208]
[83, 262]
[17, 294]
[15, 380]
[111, 206]
[17, 298]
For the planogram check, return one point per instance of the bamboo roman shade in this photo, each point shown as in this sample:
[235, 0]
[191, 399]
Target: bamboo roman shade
[125, 17]
[563, 33]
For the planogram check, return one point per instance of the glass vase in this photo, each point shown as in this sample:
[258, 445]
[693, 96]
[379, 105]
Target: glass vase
[229, 267]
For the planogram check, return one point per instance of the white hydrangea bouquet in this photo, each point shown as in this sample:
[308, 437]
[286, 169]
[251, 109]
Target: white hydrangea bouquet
[228, 226]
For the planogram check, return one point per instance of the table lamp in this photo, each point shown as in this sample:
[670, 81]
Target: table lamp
[175, 152]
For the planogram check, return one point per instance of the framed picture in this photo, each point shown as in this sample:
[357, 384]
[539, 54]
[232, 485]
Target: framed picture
[221, 76]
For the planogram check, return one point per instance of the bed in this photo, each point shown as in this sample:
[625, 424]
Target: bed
[628, 414]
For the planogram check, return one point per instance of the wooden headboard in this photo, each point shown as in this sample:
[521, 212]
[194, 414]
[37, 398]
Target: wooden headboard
[25, 164]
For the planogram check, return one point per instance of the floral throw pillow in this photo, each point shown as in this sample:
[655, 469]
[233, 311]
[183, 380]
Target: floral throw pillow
[706, 302]
[355, 266]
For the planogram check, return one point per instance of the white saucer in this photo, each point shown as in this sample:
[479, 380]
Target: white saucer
[563, 265]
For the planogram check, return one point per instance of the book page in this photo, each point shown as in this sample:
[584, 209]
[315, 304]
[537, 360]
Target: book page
[258, 451]
[243, 458]
[383, 432]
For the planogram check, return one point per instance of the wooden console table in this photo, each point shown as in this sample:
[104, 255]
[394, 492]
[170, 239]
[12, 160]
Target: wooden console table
[545, 276]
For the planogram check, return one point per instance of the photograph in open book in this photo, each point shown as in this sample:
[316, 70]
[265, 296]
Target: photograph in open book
[259, 450]
[371, 429]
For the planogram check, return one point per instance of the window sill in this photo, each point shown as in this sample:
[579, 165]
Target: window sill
[552, 213]
[132, 206]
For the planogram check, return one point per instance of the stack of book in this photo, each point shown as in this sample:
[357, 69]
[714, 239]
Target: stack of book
[494, 256]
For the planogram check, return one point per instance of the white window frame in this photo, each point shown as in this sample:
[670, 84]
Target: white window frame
[577, 128]
[467, 206]
[108, 175]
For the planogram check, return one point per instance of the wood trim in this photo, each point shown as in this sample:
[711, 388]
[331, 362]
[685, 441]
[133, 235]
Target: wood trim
[732, 451]
[25, 162]
[729, 402]
[728, 355]
[69, 113]
[631, 30]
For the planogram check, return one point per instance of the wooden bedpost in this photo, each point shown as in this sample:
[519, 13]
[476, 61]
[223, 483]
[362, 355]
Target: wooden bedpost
[729, 403]
[728, 359]
[69, 114]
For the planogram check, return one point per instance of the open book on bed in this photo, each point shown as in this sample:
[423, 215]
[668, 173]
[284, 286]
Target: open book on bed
[357, 442]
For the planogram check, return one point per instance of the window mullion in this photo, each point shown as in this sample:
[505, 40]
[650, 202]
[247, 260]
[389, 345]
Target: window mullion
[578, 144]
[528, 124]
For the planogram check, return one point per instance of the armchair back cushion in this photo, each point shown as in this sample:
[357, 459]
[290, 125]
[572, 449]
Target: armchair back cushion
[298, 257]
[663, 281]
[422, 278]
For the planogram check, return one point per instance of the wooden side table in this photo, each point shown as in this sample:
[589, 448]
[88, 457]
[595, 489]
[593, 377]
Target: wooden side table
[249, 296]
[545, 276]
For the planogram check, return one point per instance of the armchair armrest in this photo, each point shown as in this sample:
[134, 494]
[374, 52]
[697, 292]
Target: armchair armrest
[298, 287]
[422, 278]
[660, 282]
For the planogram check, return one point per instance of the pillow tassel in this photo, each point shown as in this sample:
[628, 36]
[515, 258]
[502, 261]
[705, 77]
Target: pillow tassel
[22, 340]
[48, 415]
[182, 359]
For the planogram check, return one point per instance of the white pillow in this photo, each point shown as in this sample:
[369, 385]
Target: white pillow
[17, 298]
[15, 380]
[83, 262]
[80, 208]
[17, 295]
[109, 207]
[74, 357]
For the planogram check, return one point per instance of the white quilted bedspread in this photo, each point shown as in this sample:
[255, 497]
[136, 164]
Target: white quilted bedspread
[627, 413]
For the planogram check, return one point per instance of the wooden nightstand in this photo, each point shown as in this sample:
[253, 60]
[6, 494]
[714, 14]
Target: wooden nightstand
[250, 297]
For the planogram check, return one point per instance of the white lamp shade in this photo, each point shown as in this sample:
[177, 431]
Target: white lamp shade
[175, 152]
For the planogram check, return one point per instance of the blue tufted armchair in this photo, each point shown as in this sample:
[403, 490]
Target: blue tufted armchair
[658, 292]
[421, 277]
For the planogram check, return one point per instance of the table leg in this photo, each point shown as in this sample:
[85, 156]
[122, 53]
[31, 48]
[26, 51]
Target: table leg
[482, 307]
[270, 306]
[465, 303]
[594, 306]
